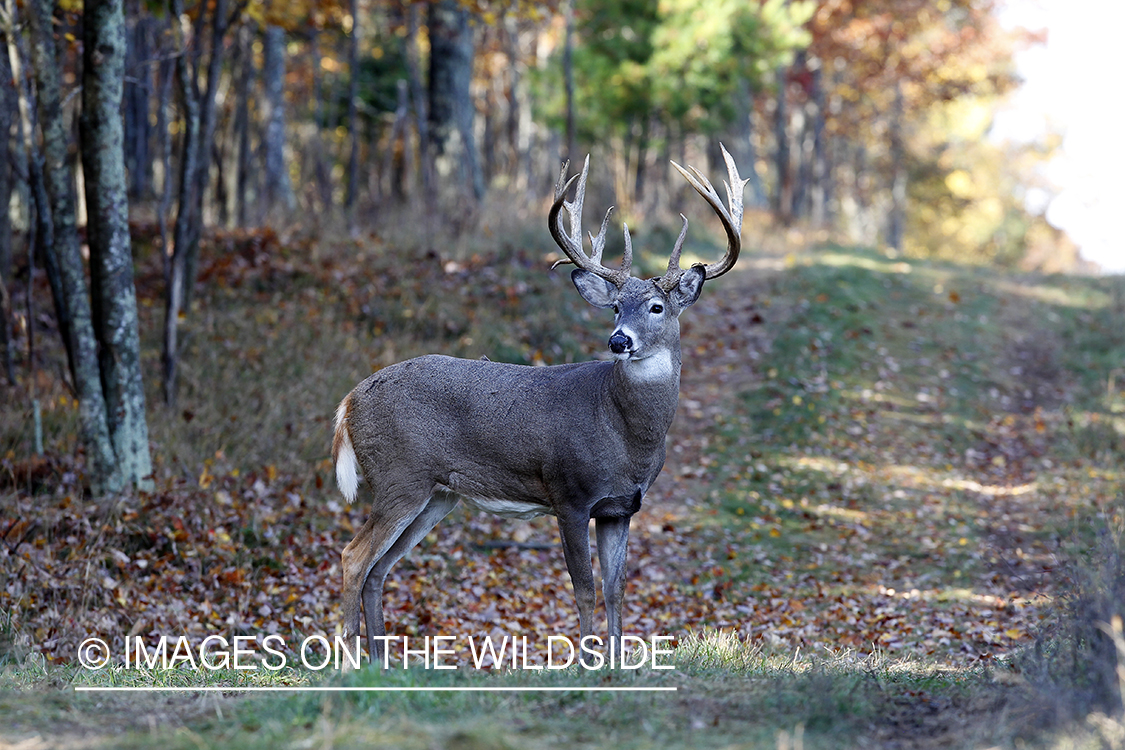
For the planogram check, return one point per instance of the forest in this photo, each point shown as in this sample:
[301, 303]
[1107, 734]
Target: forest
[891, 510]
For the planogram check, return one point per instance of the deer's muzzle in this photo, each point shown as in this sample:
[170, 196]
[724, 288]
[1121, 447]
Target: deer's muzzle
[619, 343]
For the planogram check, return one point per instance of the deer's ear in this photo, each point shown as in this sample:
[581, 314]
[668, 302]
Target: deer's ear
[687, 291]
[594, 289]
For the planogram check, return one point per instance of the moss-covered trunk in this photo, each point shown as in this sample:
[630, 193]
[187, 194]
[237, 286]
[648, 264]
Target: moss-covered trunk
[111, 261]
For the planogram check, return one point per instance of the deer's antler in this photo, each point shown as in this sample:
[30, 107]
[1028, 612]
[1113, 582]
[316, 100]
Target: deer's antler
[730, 217]
[571, 242]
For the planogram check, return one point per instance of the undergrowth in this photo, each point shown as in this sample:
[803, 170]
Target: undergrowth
[1076, 668]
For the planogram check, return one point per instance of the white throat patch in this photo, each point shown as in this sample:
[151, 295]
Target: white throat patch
[656, 367]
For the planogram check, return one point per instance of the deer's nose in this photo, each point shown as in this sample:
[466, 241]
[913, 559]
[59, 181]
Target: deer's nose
[619, 343]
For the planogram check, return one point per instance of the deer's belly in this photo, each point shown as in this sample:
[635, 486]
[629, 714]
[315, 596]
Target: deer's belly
[508, 508]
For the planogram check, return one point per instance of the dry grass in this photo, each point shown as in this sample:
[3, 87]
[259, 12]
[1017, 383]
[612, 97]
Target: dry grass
[1076, 670]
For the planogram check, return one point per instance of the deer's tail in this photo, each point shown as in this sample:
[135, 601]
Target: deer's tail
[343, 453]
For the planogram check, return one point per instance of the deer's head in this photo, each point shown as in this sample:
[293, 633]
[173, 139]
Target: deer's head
[646, 311]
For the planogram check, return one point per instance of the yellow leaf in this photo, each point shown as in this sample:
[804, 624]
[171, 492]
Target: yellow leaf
[775, 533]
[1013, 633]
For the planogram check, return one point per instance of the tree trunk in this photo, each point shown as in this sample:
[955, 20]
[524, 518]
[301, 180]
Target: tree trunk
[320, 163]
[568, 78]
[488, 138]
[451, 105]
[352, 193]
[896, 223]
[819, 208]
[186, 228]
[166, 72]
[206, 135]
[279, 190]
[392, 170]
[242, 125]
[802, 189]
[62, 246]
[40, 235]
[783, 190]
[512, 126]
[419, 104]
[642, 160]
[744, 150]
[62, 243]
[7, 97]
[138, 159]
[111, 261]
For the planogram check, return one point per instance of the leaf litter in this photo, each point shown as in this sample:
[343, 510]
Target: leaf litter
[846, 471]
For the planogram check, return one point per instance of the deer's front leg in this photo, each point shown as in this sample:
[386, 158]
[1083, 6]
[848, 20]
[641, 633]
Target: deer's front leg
[613, 550]
[575, 534]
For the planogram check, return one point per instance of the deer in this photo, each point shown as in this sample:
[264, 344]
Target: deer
[576, 441]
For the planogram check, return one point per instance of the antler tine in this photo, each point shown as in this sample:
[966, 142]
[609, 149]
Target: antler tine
[597, 244]
[674, 259]
[627, 258]
[731, 219]
[571, 242]
[574, 208]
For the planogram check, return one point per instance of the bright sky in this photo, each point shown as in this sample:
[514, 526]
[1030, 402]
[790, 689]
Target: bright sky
[1073, 87]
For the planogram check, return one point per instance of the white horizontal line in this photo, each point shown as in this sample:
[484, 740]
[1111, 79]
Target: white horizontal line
[327, 689]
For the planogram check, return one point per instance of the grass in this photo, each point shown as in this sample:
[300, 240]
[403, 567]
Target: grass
[728, 693]
[898, 393]
[915, 446]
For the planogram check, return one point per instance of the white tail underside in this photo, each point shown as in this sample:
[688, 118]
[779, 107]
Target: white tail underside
[347, 466]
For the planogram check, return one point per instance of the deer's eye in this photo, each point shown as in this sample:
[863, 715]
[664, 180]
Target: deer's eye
[616, 310]
[656, 309]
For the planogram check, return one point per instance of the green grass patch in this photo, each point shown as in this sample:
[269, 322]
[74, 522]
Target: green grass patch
[727, 693]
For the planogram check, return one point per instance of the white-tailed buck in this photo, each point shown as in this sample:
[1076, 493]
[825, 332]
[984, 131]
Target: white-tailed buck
[576, 441]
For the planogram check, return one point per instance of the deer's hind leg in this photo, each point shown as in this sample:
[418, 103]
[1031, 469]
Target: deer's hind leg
[390, 516]
[438, 507]
[395, 525]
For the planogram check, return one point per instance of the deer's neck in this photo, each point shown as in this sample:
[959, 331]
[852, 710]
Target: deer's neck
[645, 393]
